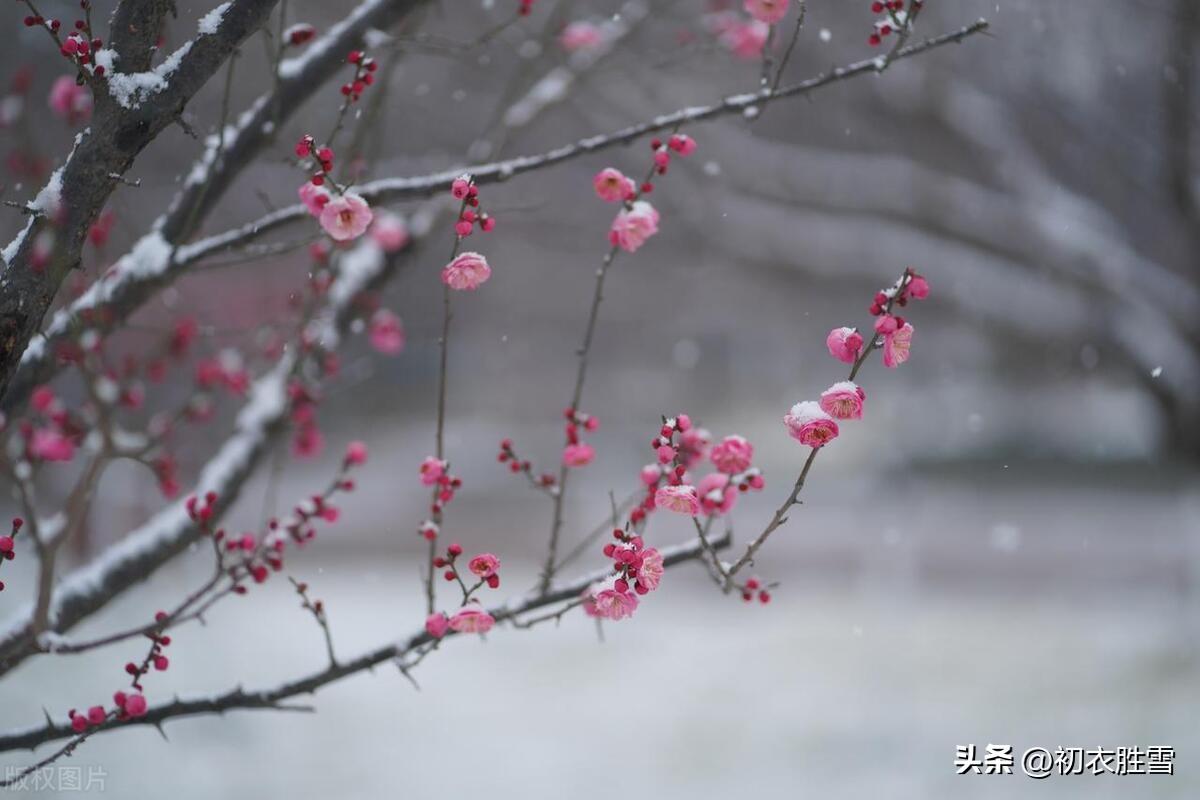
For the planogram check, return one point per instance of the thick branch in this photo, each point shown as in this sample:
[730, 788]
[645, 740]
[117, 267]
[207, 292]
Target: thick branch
[154, 261]
[123, 124]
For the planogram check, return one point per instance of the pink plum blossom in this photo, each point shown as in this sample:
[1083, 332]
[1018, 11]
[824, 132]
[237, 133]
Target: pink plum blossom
[484, 565]
[345, 218]
[768, 11]
[918, 287]
[717, 494]
[886, 324]
[436, 625]
[896, 346]
[472, 619]
[468, 271]
[612, 186]
[651, 571]
[843, 400]
[680, 499]
[845, 344]
[314, 197]
[69, 100]
[389, 232]
[633, 226]
[650, 474]
[809, 425]
[578, 455]
[744, 37]
[581, 35]
[732, 455]
[607, 602]
[48, 444]
[432, 469]
[386, 332]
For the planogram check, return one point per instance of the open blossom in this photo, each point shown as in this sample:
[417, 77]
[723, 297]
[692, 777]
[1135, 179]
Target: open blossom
[472, 619]
[681, 499]
[633, 226]
[693, 444]
[612, 185]
[768, 11]
[717, 494]
[606, 601]
[484, 565]
[48, 444]
[436, 625]
[651, 571]
[845, 344]
[809, 425]
[744, 38]
[896, 346]
[843, 400]
[432, 469]
[581, 35]
[467, 271]
[69, 100]
[578, 455]
[314, 197]
[346, 217]
[732, 455]
[386, 332]
[389, 232]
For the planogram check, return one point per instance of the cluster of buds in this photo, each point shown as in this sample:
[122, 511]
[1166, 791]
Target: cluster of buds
[895, 18]
[636, 566]
[755, 588]
[224, 370]
[485, 567]
[307, 440]
[7, 551]
[679, 143]
[516, 464]
[435, 473]
[322, 156]
[126, 706]
[79, 46]
[299, 34]
[154, 658]
[202, 510]
[912, 286]
[576, 452]
[364, 75]
[463, 188]
[52, 432]
[673, 457]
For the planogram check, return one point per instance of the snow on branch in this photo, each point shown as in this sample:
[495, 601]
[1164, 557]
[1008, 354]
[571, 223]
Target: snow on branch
[275, 698]
[137, 276]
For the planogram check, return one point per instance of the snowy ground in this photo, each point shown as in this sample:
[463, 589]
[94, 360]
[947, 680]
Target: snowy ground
[1039, 615]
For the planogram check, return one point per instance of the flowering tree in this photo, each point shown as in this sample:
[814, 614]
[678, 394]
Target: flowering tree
[73, 403]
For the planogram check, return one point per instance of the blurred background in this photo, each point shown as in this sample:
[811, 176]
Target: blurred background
[1005, 550]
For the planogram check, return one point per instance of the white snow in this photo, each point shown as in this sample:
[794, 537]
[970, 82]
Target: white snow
[130, 89]
[211, 21]
[293, 66]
